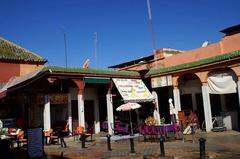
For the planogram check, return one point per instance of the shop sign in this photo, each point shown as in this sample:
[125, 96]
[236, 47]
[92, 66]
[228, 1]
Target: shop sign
[55, 98]
[58, 98]
[133, 90]
[162, 81]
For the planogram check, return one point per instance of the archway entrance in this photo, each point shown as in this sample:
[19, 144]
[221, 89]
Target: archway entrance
[191, 95]
[224, 96]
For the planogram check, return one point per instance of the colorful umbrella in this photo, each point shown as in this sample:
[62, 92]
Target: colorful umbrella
[128, 107]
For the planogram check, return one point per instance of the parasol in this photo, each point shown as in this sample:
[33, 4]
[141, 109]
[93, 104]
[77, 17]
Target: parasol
[128, 107]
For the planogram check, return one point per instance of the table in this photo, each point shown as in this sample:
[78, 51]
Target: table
[9, 137]
[158, 130]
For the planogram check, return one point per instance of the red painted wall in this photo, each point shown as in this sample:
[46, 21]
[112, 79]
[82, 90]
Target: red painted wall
[8, 70]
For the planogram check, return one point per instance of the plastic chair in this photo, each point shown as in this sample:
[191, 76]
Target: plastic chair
[51, 135]
[182, 119]
[80, 131]
[21, 138]
[47, 135]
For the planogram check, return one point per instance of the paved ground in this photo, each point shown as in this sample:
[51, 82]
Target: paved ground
[218, 145]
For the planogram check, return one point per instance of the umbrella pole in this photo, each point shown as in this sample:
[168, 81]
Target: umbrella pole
[130, 122]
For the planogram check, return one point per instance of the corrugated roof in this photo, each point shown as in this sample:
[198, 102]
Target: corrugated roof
[136, 61]
[14, 53]
[18, 80]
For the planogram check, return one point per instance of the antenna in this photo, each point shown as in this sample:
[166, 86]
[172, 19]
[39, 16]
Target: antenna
[151, 26]
[65, 46]
[95, 49]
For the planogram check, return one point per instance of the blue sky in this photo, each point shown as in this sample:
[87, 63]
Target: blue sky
[122, 27]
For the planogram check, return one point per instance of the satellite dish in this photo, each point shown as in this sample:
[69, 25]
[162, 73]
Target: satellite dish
[205, 43]
[141, 61]
[86, 63]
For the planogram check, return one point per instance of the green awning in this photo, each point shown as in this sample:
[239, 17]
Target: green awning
[98, 80]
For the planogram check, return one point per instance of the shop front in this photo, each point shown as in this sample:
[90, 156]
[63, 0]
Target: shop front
[131, 91]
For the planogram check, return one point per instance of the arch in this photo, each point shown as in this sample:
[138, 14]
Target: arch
[189, 82]
[190, 87]
[223, 92]
[202, 76]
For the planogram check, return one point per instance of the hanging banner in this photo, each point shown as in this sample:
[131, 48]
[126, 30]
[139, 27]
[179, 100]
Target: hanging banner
[133, 90]
[162, 81]
[222, 82]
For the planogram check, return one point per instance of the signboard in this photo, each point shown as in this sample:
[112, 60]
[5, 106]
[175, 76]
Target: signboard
[35, 142]
[55, 98]
[8, 123]
[162, 81]
[133, 90]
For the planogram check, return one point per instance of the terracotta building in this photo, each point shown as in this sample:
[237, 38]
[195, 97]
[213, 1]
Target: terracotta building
[17, 61]
[49, 97]
[205, 79]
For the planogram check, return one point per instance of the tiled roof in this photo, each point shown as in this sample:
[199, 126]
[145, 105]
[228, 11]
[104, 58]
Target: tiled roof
[91, 71]
[196, 63]
[14, 53]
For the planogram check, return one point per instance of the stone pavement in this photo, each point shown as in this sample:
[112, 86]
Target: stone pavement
[218, 145]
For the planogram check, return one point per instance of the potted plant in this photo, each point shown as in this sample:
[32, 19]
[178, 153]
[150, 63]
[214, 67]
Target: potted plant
[150, 121]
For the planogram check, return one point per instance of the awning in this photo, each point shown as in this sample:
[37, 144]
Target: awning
[222, 82]
[99, 80]
[3, 94]
[17, 80]
[133, 90]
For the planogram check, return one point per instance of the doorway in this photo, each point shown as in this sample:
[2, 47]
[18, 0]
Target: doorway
[89, 113]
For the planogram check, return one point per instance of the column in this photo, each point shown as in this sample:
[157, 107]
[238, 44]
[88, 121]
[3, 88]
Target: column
[70, 113]
[238, 86]
[207, 107]
[194, 102]
[96, 115]
[46, 113]
[176, 96]
[156, 110]
[81, 117]
[80, 97]
[110, 110]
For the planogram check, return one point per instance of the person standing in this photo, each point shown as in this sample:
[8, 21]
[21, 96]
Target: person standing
[62, 134]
